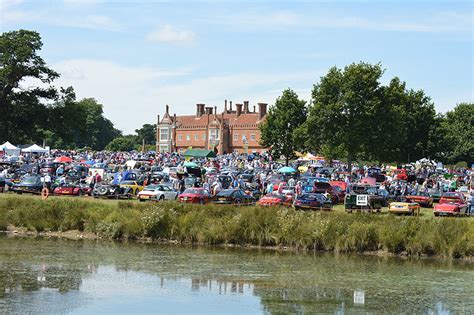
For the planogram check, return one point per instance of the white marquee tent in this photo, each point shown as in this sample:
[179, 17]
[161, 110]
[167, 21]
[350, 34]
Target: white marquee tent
[34, 149]
[9, 149]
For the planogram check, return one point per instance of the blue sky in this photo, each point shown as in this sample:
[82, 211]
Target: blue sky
[137, 56]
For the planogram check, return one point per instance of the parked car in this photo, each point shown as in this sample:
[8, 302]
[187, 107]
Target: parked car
[233, 196]
[422, 198]
[195, 195]
[313, 201]
[410, 208]
[435, 194]
[134, 186]
[276, 200]
[73, 189]
[401, 174]
[112, 191]
[465, 191]
[451, 204]
[29, 184]
[156, 193]
[363, 198]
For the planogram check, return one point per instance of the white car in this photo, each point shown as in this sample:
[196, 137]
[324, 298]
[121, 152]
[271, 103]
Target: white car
[465, 191]
[157, 192]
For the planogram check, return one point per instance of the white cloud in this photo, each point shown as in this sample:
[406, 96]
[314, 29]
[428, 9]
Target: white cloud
[441, 22]
[11, 13]
[169, 34]
[133, 96]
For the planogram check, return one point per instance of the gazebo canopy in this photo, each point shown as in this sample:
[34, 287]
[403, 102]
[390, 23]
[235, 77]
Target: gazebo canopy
[34, 149]
[7, 146]
[199, 153]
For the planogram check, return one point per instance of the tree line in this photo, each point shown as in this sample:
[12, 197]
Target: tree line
[43, 113]
[353, 116]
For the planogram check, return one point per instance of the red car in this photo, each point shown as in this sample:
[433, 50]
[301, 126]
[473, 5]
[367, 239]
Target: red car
[421, 198]
[401, 174]
[451, 203]
[276, 200]
[339, 183]
[73, 190]
[195, 195]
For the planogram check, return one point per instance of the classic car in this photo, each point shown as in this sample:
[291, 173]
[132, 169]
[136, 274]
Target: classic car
[465, 191]
[411, 208]
[134, 186]
[156, 193]
[363, 197]
[73, 189]
[451, 204]
[111, 191]
[195, 195]
[435, 194]
[322, 187]
[313, 201]
[29, 184]
[422, 198]
[233, 196]
[400, 174]
[276, 200]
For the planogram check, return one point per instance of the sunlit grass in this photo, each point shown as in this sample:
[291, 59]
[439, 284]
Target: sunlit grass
[214, 224]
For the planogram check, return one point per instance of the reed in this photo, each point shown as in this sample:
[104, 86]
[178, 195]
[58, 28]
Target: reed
[216, 225]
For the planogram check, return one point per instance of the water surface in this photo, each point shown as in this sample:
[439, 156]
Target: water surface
[57, 276]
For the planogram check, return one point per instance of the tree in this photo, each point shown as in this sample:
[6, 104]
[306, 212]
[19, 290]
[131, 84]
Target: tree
[148, 133]
[279, 131]
[459, 132]
[21, 112]
[125, 143]
[342, 115]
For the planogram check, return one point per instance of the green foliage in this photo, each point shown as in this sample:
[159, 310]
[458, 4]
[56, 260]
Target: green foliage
[148, 133]
[21, 112]
[459, 130]
[280, 129]
[66, 123]
[211, 224]
[125, 143]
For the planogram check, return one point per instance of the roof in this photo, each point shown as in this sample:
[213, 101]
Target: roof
[200, 153]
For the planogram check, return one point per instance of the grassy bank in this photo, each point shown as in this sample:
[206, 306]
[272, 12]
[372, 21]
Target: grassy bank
[335, 231]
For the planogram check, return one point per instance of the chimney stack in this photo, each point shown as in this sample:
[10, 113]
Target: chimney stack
[246, 107]
[254, 110]
[215, 111]
[167, 109]
[199, 110]
[209, 110]
[230, 106]
[225, 107]
[238, 109]
[262, 110]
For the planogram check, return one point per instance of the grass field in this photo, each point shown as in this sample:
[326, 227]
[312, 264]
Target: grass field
[252, 225]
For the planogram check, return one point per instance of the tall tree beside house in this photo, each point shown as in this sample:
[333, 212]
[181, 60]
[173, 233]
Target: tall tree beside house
[458, 126]
[21, 111]
[279, 131]
[342, 117]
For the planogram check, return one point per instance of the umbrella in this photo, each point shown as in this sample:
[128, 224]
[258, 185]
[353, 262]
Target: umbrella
[63, 159]
[190, 164]
[287, 169]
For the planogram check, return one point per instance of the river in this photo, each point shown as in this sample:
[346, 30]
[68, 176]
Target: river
[58, 276]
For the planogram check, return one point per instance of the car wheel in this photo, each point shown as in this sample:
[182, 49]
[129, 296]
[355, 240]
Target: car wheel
[80, 193]
[162, 197]
[201, 201]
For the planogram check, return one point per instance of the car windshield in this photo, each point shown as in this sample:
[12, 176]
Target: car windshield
[150, 188]
[312, 197]
[127, 182]
[30, 180]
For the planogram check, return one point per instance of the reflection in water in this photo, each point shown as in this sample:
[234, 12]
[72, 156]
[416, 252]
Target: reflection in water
[59, 276]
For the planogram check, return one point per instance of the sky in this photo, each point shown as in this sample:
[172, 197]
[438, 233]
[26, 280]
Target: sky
[135, 57]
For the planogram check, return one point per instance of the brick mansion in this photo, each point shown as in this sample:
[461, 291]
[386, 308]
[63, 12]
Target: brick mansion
[229, 131]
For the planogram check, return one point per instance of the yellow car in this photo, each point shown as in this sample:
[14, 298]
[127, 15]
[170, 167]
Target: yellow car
[411, 208]
[133, 185]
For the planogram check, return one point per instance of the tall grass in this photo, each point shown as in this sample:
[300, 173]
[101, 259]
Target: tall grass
[210, 224]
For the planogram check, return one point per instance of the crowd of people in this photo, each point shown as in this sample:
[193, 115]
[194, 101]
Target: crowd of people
[257, 174]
